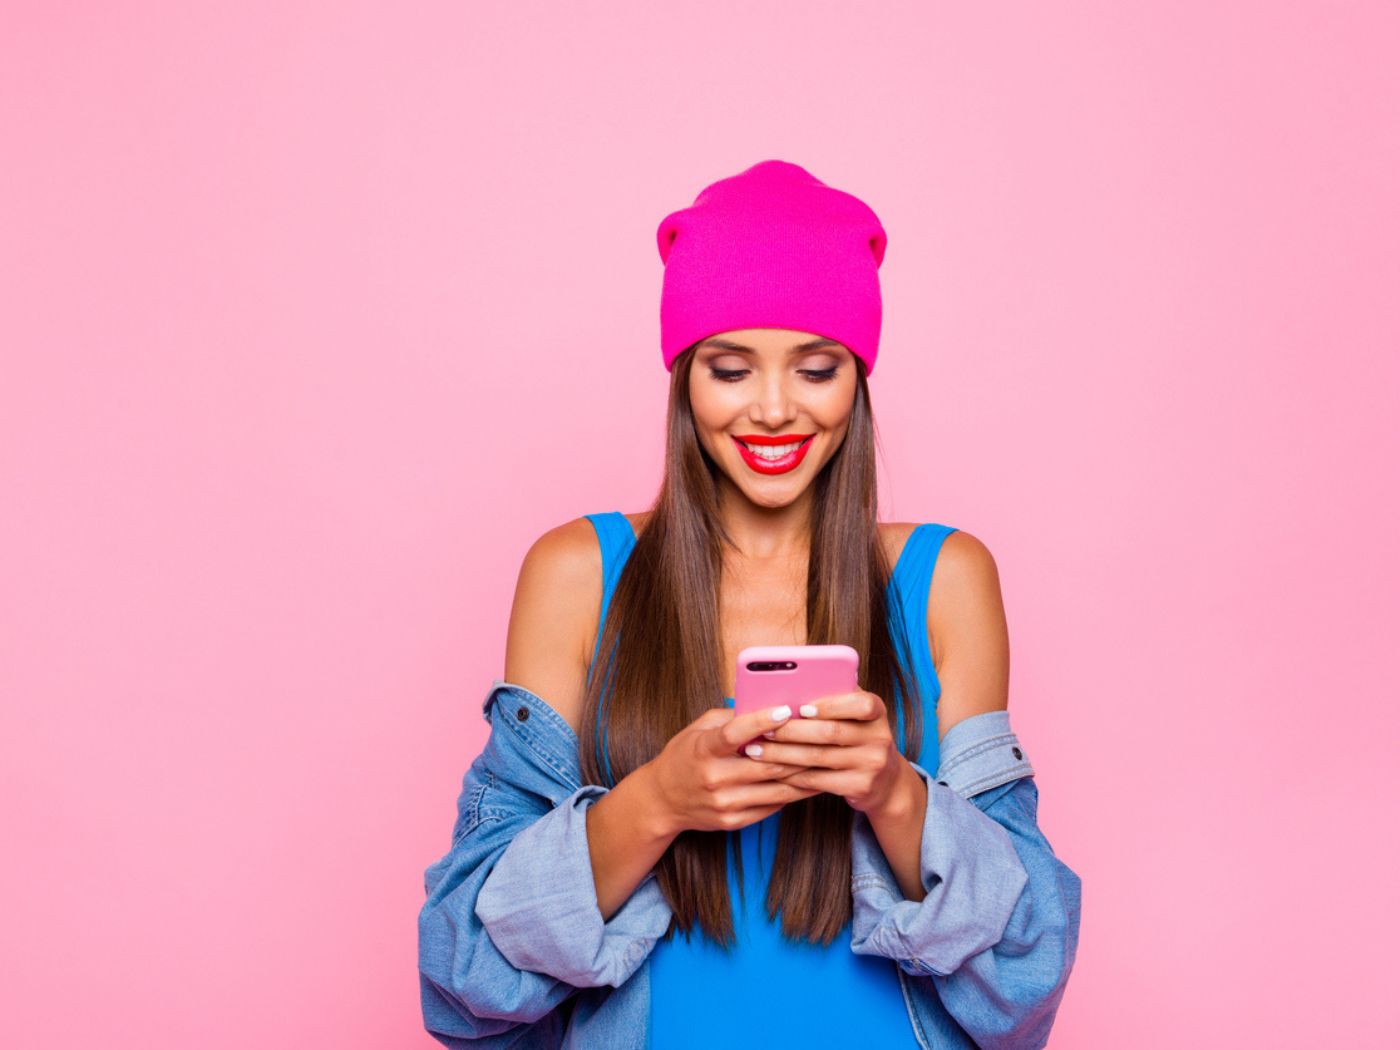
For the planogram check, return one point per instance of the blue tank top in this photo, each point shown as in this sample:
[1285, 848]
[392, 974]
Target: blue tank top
[838, 998]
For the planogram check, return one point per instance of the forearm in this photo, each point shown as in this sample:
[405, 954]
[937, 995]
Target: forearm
[899, 828]
[627, 835]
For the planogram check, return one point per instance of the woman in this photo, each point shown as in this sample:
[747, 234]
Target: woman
[620, 874]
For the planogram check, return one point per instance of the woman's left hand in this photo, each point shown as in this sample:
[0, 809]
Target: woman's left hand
[848, 747]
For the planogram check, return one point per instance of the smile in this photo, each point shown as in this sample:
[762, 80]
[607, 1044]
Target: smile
[773, 455]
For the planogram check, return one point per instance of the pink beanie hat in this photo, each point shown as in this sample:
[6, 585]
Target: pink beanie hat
[772, 247]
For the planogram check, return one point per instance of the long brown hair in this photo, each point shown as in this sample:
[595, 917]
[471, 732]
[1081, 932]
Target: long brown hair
[659, 668]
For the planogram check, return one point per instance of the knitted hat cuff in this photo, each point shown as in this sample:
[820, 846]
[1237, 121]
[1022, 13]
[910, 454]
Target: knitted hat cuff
[772, 247]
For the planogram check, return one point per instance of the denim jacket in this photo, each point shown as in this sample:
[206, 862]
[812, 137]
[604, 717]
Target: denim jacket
[513, 950]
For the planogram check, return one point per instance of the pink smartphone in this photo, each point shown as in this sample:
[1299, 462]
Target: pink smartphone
[768, 675]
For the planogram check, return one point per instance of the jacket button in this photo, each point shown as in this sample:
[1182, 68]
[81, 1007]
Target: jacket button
[1015, 750]
[943, 782]
[523, 713]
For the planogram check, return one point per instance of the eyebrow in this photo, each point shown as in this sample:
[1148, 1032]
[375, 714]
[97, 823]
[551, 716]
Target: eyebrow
[800, 348]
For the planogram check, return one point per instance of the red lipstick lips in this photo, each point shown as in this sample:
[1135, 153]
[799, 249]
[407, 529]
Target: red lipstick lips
[768, 465]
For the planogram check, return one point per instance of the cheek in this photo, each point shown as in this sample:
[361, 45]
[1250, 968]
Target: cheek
[711, 416]
[712, 409]
[702, 401]
[834, 412]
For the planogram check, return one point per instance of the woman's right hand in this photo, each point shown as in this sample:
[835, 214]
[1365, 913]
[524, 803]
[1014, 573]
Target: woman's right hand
[703, 782]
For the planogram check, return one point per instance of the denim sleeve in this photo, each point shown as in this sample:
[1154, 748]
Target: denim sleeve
[998, 928]
[511, 927]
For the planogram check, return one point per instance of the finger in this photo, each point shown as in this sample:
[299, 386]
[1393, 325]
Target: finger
[778, 793]
[742, 728]
[860, 706]
[744, 817]
[823, 756]
[841, 732]
[754, 769]
[714, 716]
[836, 781]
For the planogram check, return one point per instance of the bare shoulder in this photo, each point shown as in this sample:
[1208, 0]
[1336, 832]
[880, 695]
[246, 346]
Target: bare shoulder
[894, 535]
[967, 629]
[966, 587]
[558, 596]
[965, 559]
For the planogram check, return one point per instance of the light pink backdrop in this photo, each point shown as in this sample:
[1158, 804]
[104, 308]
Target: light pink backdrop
[315, 316]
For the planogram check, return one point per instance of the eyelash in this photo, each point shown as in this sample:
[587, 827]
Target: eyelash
[733, 375]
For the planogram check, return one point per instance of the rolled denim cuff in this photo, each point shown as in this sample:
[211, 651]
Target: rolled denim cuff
[972, 879]
[980, 753]
[539, 904]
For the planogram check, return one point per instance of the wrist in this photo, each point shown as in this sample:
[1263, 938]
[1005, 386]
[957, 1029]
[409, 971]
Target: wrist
[906, 797]
[654, 817]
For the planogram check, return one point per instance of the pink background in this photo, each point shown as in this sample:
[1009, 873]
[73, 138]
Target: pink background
[315, 316]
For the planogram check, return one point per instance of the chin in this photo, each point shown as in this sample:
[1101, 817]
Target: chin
[779, 492]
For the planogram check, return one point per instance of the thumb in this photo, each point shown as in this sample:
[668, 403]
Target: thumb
[715, 716]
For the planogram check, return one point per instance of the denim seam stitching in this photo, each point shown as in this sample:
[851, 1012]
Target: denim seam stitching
[545, 753]
[971, 751]
[870, 879]
[919, 1033]
[1005, 776]
[473, 814]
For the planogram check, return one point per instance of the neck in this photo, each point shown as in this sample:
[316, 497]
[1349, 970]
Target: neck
[767, 534]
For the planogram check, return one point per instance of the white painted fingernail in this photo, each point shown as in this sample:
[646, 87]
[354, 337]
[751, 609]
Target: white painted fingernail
[754, 750]
[771, 734]
[779, 713]
[808, 710]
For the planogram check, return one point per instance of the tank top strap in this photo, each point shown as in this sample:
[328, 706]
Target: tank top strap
[908, 599]
[913, 576]
[616, 538]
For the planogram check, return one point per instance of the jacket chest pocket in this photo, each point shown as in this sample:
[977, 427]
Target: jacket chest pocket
[486, 799]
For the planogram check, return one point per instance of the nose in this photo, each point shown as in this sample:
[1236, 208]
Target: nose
[774, 407]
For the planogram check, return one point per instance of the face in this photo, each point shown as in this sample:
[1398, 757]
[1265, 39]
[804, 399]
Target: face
[751, 386]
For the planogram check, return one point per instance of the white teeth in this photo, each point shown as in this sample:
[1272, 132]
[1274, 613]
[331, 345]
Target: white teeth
[773, 451]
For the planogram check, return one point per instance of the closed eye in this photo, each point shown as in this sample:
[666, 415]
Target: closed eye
[733, 375]
[728, 375]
